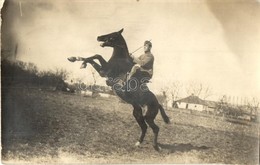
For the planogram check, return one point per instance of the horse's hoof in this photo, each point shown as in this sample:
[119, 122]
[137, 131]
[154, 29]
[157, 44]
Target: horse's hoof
[72, 59]
[137, 144]
[157, 148]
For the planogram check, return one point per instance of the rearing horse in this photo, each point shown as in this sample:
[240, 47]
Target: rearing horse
[135, 92]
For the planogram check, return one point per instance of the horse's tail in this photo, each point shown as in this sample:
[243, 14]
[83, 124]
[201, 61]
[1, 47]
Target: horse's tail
[164, 116]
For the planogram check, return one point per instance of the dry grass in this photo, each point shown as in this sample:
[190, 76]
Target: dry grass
[52, 127]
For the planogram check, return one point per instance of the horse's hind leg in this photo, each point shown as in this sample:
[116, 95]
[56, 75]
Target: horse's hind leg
[140, 120]
[149, 118]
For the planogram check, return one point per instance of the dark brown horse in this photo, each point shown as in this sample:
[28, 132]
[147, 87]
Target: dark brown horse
[135, 91]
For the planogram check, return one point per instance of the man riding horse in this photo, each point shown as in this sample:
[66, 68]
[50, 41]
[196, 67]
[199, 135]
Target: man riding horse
[144, 63]
[117, 68]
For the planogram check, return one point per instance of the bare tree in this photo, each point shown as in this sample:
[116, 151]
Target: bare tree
[94, 76]
[61, 73]
[199, 89]
[164, 91]
[32, 68]
[194, 88]
[175, 89]
[206, 92]
[171, 92]
[253, 105]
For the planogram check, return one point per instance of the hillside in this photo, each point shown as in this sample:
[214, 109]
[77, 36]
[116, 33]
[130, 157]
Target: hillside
[46, 126]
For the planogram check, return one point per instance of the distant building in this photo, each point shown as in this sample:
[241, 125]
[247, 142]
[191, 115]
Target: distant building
[191, 102]
[211, 105]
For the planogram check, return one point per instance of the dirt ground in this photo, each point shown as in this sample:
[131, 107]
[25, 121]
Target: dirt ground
[40, 126]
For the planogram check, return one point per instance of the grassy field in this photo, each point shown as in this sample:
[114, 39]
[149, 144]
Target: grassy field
[40, 126]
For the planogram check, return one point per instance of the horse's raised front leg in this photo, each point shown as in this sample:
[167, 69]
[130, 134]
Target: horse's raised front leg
[101, 69]
[98, 68]
[98, 57]
[101, 60]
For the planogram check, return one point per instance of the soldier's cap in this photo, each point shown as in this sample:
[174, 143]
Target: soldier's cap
[148, 43]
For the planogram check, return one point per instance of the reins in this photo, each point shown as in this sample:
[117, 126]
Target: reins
[138, 49]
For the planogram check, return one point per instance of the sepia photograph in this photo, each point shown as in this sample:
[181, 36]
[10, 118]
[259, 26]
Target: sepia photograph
[130, 81]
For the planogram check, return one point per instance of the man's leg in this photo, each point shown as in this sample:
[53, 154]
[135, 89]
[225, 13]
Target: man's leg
[145, 76]
[133, 71]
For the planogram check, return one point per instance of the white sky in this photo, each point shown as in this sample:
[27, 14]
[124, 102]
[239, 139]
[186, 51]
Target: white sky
[192, 41]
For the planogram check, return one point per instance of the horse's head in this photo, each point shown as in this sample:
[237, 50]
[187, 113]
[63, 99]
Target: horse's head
[120, 62]
[114, 40]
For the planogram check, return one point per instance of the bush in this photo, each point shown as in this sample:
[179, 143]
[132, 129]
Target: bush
[22, 73]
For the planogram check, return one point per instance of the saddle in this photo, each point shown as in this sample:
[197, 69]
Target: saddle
[141, 77]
